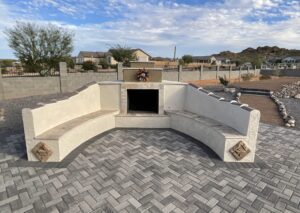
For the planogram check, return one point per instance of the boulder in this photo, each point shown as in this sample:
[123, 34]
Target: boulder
[297, 96]
[230, 90]
[291, 121]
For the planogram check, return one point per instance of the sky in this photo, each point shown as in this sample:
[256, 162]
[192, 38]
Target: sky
[196, 27]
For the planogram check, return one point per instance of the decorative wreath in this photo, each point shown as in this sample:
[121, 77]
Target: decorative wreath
[142, 75]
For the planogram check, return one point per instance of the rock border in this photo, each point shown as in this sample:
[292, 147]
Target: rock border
[287, 118]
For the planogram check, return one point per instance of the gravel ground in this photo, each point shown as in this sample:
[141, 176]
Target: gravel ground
[11, 110]
[293, 108]
[274, 84]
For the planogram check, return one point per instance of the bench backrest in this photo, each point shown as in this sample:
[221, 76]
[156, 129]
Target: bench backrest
[53, 114]
[231, 114]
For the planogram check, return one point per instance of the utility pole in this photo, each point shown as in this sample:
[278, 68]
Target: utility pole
[174, 54]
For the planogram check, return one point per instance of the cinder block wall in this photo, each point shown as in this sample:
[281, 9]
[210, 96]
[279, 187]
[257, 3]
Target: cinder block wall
[289, 73]
[17, 87]
[139, 64]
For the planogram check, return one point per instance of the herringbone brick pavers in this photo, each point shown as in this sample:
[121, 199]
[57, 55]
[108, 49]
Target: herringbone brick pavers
[137, 170]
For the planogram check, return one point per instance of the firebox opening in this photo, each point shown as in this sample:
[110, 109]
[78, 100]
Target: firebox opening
[143, 101]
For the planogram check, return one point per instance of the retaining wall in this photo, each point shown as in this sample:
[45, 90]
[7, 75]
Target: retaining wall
[289, 73]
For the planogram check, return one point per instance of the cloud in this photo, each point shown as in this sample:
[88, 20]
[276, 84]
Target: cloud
[157, 26]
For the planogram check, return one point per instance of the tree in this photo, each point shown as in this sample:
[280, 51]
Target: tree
[181, 61]
[88, 65]
[256, 61]
[122, 54]
[187, 59]
[70, 62]
[39, 48]
[104, 64]
[6, 63]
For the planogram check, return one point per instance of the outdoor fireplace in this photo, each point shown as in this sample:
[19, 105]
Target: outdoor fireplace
[143, 100]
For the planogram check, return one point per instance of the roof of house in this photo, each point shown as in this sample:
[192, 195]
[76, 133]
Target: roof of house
[96, 54]
[293, 57]
[203, 58]
[90, 54]
[221, 58]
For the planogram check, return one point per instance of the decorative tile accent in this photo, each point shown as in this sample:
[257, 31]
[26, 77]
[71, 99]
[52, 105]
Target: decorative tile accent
[240, 150]
[42, 152]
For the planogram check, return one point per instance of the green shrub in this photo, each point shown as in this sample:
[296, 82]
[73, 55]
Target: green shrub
[277, 73]
[247, 77]
[223, 80]
[114, 66]
[264, 77]
[89, 65]
[3, 70]
[180, 61]
[104, 64]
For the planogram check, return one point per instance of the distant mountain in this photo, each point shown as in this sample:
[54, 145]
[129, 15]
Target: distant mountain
[258, 55]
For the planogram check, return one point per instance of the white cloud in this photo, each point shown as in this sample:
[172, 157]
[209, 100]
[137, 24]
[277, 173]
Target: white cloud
[158, 26]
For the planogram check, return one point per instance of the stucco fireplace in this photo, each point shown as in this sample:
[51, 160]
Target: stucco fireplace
[140, 98]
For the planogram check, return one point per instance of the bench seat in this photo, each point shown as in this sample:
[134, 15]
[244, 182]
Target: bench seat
[219, 137]
[65, 137]
[58, 131]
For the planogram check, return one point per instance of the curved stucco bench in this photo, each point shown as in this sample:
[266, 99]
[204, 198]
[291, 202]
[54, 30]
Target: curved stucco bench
[67, 136]
[217, 136]
[227, 127]
[63, 125]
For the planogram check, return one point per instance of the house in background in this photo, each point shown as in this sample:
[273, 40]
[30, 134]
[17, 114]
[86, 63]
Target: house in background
[291, 60]
[247, 65]
[95, 57]
[222, 61]
[288, 62]
[211, 60]
[204, 59]
[141, 55]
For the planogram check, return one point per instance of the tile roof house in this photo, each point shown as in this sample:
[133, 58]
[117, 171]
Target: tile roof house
[291, 59]
[141, 55]
[211, 60]
[95, 57]
[204, 59]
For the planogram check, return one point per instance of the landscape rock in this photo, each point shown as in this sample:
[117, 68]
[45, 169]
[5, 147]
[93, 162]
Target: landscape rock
[291, 121]
[289, 90]
[230, 90]
[297, 96]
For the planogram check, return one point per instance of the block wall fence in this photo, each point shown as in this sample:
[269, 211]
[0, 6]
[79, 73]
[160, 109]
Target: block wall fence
[18, 87]
[285, 72]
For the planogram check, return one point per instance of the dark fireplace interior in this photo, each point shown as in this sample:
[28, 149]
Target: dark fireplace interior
[145, 101]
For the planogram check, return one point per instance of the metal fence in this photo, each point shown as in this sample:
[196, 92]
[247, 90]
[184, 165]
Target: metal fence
[70, 70]
[20, 72]
[170, 69]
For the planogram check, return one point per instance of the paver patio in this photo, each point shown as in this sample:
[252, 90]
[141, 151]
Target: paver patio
[136, 170]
